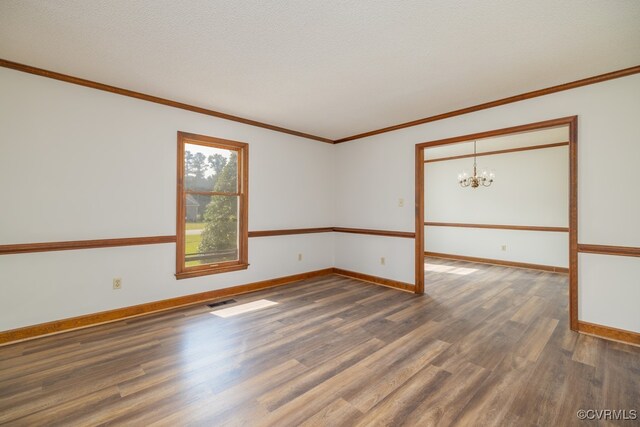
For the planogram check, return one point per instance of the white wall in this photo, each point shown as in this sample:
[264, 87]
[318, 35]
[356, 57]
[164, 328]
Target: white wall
[354, 252]
[70, 168]
[372, 173]
[531, 247]
[77, 163]
[610, 290]
[531, 188]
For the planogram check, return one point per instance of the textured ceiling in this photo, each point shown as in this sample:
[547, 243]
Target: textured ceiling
[332, 68]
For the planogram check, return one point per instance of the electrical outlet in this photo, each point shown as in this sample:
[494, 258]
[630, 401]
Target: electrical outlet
[382, 260]
[117, 283]
[401, 202]
[504, 247]
[299, 257]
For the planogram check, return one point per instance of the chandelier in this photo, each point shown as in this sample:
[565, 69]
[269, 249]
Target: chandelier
[485, 178]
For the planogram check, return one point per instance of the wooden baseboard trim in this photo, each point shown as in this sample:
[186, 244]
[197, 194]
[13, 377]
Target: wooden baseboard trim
[65, 325]
[549, 268]
[610, 333]
[609, 250]
[24, 248]
[375, 279]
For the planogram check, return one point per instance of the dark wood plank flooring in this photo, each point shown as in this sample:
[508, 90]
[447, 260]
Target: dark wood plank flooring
[487, 345]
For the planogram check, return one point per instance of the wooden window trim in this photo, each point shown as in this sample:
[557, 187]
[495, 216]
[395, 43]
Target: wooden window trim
[211, 193]
[242, 262]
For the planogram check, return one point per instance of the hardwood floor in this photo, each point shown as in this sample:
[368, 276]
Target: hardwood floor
[486, 345]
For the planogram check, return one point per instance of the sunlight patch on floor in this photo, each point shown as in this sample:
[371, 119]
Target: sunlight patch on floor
[439, 268]
[243, 308]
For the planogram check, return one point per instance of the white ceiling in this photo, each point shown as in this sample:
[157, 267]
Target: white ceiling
[332, 68]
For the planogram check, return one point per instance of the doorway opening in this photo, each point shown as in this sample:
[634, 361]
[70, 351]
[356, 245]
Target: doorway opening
[491, 145]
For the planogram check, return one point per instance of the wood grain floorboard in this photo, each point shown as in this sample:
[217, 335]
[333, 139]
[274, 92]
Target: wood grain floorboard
[486, 345]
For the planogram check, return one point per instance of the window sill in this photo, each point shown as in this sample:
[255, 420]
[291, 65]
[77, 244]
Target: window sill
[209, 271]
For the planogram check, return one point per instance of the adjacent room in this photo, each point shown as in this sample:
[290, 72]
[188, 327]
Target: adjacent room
[518, 214]
[319, 213]
[518, 220]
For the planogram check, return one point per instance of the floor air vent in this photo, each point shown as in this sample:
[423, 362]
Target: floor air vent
[219, 303]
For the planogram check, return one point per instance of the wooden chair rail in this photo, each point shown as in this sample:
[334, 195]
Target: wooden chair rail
[498, 226]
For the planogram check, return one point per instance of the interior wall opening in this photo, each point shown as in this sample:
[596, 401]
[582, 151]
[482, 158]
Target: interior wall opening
[490, 202]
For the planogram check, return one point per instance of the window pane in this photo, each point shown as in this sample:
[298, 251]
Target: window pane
[210, 169]
[211, 230]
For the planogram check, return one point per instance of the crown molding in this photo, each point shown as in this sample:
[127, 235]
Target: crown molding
[155, 99]
[527, 95]
[138, 95]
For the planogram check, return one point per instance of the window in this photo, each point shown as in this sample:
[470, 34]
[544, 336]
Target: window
[212, 215]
